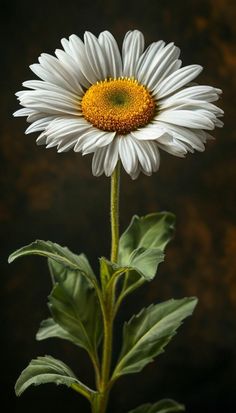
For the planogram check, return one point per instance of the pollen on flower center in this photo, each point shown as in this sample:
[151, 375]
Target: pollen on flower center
[118, 105]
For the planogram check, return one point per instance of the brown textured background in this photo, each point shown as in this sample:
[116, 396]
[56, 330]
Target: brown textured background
[50, 196]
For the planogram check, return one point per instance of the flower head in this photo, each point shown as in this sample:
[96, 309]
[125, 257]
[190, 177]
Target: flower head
[127, 106]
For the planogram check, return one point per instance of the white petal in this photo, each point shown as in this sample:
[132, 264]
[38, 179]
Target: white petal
[199, 92]
[190, 104]
[44, 94]
[43, 74]
[127, 154]
[111, 157]
[177, 80]
[62, 127]
[23, 112]
[98, 161]
[174, 148]
[59, 71]
[147, 57]
[154, 155]
[95, 56]
[193, 138]
[63, 145]
[76, 49]
[149, 132]
[64, 133]
[41, 139]
[219, 123]
[34, 116]
[50, 102]
[72, 67]
[111, 54]
[173, 67]
[97, 141]
[54, 72]
[39, 125]
[148, 156]
[47, 86]
[73, 47]
[132, 49]
[187, 118]
[50, 76]
[158, 65]
[91, 133]
[67, 145]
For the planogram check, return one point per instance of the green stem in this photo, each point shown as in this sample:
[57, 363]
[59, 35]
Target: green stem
[100, 405]
[115, 186]
[95, 362]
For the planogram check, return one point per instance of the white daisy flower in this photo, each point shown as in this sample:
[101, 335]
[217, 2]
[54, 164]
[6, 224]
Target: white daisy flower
[119, 106]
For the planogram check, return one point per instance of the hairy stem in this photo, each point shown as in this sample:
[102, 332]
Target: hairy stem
[100, 404]
[115, 186]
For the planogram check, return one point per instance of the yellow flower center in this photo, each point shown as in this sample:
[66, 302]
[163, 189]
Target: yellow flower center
[118, 105]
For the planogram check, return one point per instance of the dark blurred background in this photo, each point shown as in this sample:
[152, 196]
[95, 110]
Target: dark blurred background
[54, 196]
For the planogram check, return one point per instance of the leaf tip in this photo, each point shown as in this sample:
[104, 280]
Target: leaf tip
[17, 388]
[10, 258]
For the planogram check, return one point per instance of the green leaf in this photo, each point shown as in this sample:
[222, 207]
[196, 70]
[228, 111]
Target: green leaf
[147, 333]
[55, 252]
[73, 301]
[151, 231]
[141, 246]
[146, 261]
[163, 406]
[50, 370]
[50, 329]
[75, 309]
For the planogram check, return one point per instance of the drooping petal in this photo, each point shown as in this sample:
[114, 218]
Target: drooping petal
[64, 132]
[111, 158]
[86, 136]
[193, 137]
[149, 132]
[97, 141]
[127, 153]
[98, 163]
[148, 156]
